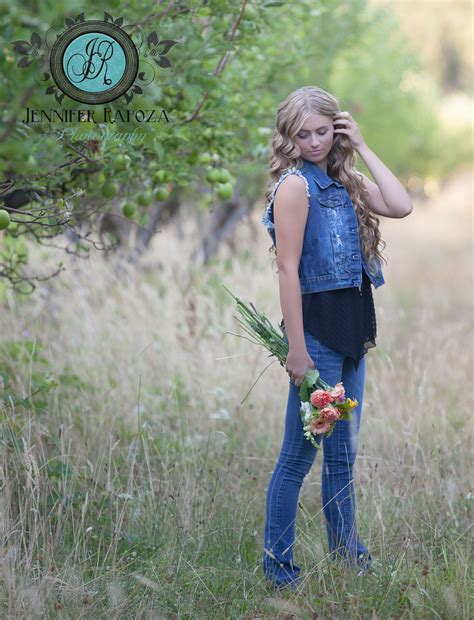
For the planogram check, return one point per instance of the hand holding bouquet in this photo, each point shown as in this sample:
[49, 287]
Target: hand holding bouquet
[321, 404]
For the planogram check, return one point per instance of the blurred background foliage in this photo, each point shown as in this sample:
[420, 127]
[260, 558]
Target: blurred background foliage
[398, 69]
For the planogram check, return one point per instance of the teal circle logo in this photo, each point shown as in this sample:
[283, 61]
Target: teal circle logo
[94, 62]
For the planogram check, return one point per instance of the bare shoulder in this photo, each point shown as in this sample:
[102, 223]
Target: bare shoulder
[291, 213]
[292, 190]
[294, 181]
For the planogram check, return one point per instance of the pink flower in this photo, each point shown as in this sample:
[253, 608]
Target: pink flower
[330, 413]
[338, 393]
[320, 398]
[319, 426]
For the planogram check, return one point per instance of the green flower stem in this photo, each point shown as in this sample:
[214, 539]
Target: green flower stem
[262, 332]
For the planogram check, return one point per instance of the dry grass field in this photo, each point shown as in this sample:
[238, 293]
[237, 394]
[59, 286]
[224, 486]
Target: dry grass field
[136, 487]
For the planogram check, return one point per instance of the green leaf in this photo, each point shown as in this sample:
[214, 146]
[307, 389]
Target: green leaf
[304, 391]
[312, 376]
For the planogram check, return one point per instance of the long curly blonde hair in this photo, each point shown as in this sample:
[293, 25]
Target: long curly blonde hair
[291, 115]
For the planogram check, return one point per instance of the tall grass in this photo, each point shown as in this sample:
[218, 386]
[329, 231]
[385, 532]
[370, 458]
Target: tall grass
[136, 487]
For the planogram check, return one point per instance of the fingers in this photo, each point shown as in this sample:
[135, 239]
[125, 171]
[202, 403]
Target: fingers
[297, 382]
[302, 378]
[292, 379]
[342, 117]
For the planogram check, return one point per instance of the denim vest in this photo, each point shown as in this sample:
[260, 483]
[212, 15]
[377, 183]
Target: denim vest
[331, 255]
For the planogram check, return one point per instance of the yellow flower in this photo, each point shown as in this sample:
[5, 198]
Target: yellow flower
[353, 402]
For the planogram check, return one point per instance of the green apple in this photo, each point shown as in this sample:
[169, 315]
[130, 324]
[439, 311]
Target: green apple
[205, 158]
[144, 198]
[109, 189]
[225, 191]
[122, 162]
[224, 175]
[161, 193]
[128, 209]
[170, 91]
[4, 219]
[212, 175]
[13, 228]
[250, 13]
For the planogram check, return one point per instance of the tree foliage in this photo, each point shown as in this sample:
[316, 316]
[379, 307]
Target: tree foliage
[215, 94]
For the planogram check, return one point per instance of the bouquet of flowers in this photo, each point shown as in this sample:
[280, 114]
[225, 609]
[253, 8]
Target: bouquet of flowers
[322, 405]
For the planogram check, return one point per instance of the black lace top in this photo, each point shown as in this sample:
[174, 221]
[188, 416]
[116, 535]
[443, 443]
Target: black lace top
[343, 319]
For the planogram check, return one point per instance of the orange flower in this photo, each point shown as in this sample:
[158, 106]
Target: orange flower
[319, 426]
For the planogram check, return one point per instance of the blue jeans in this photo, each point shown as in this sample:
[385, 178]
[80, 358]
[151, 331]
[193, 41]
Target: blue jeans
[294, 462]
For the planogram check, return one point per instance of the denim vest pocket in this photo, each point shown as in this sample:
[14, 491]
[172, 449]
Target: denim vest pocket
[332, 199]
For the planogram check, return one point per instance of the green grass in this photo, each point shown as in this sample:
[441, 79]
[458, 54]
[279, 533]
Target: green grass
[134, 479]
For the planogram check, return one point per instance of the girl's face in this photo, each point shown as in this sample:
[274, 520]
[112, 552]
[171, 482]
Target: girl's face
[316, 134]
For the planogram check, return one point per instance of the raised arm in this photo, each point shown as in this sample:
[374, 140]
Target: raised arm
[387, 196]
